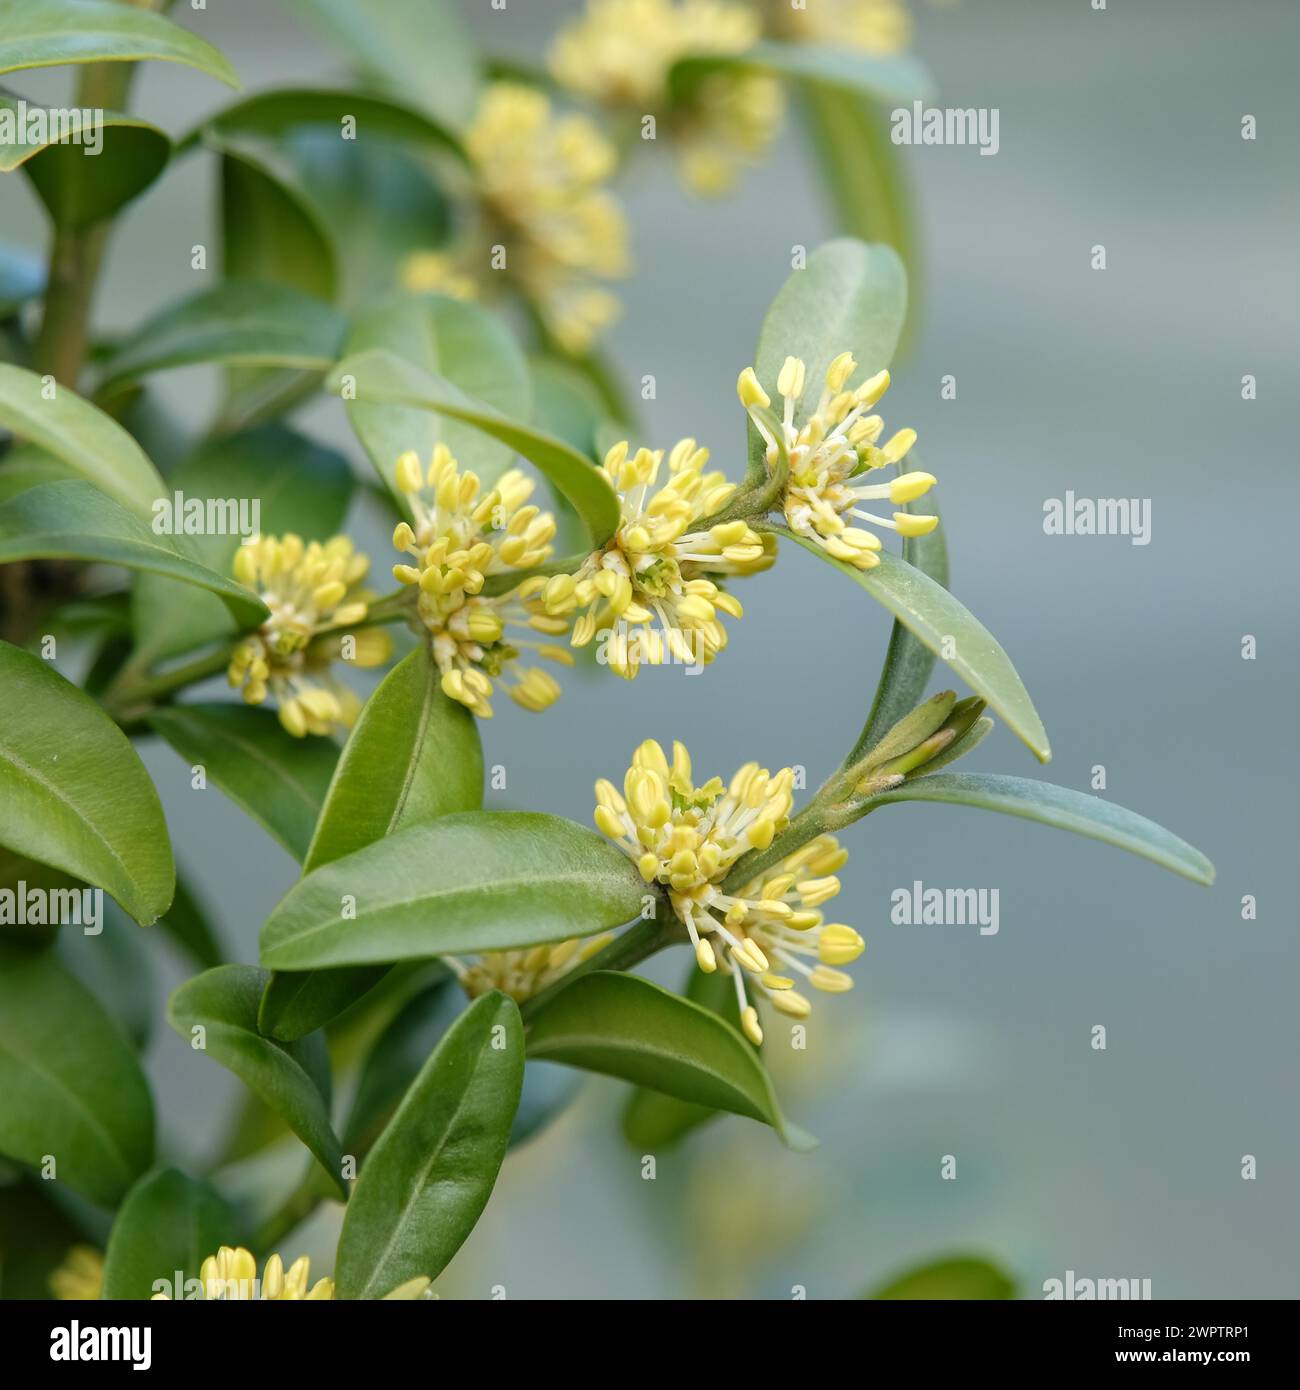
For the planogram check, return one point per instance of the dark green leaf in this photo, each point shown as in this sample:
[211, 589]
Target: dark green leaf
[168, 1225]
[625, 1026]
[223, 1004]
[380, 377]
[74, 521]
[75, 794]
[476, 881]
[1062, 807]
[939, 621]
[432, 1170]
[239, 322]
[70, 1086]
[278, 779]
[49, 33]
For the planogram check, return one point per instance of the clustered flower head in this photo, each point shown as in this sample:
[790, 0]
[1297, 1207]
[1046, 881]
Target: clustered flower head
[620, 53]
[830, 453]
[461, 536]
[539, 179]
[522, 974]
[649, 588]
[687, 838]
[313, 591]
[231, 1276]
[878, 27]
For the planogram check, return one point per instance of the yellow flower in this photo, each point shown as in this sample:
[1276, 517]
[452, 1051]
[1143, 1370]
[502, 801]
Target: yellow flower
[313, 593]
[879, 27]
[546, 221]
[231, 1275]
[830, 452]
[620, 53]
[460, 537]
[648, 587]
[521, 974]
[80, 1276]
[687, 838]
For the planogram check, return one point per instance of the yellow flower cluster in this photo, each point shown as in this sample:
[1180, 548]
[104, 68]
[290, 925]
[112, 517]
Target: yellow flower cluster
[231, 1276]
[829, 452]
[522, 974]
[688, 838]
[648, 589]
[81, 1275]
[620, 53]
[460, 537]
[878, 27]
[313, 593]
[539, 180]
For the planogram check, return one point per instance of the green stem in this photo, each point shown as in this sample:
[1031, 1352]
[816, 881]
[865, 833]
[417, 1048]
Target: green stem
[123, 698]
[298, 1206]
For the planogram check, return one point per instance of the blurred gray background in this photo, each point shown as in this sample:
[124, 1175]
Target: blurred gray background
[1120, 128]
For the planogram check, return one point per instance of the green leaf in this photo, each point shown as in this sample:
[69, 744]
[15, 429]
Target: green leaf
[49, 33]
[908, 661]
[70, 1084]
[239, 322]
[420, 48]
[381, 377]
[278, 779]
[624, 1026]
[850, 297]
[476, 354]
[890, 79]
[957, 1277]
[75, 794]
[77, 187]
[73, 521]
[476, 881]
[432, 1170]
[653, 1121]
[299, 486]
[90, 443]
[168, 1225]
[1062, 807]
[935, 617]
[412, 756]
[287, 1076]
[277, 113]
[567, 405]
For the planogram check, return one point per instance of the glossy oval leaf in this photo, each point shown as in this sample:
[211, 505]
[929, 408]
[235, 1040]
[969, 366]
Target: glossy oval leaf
[381, 377]
[282, 110]
[957, 1277]
[413, 755]
[1062, 807]
[168, 1225]
[624, 1026]
[908, 661]
[432, 1170]
[471, 348]
[891, 78]
[850, 297]
[238, 323]
[477, 881]
[222, 1003]
[937, 620]
[278, 779]
[70, 1084]
[90, 443]
[75, 795]
[72, 520]
[49, 33]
